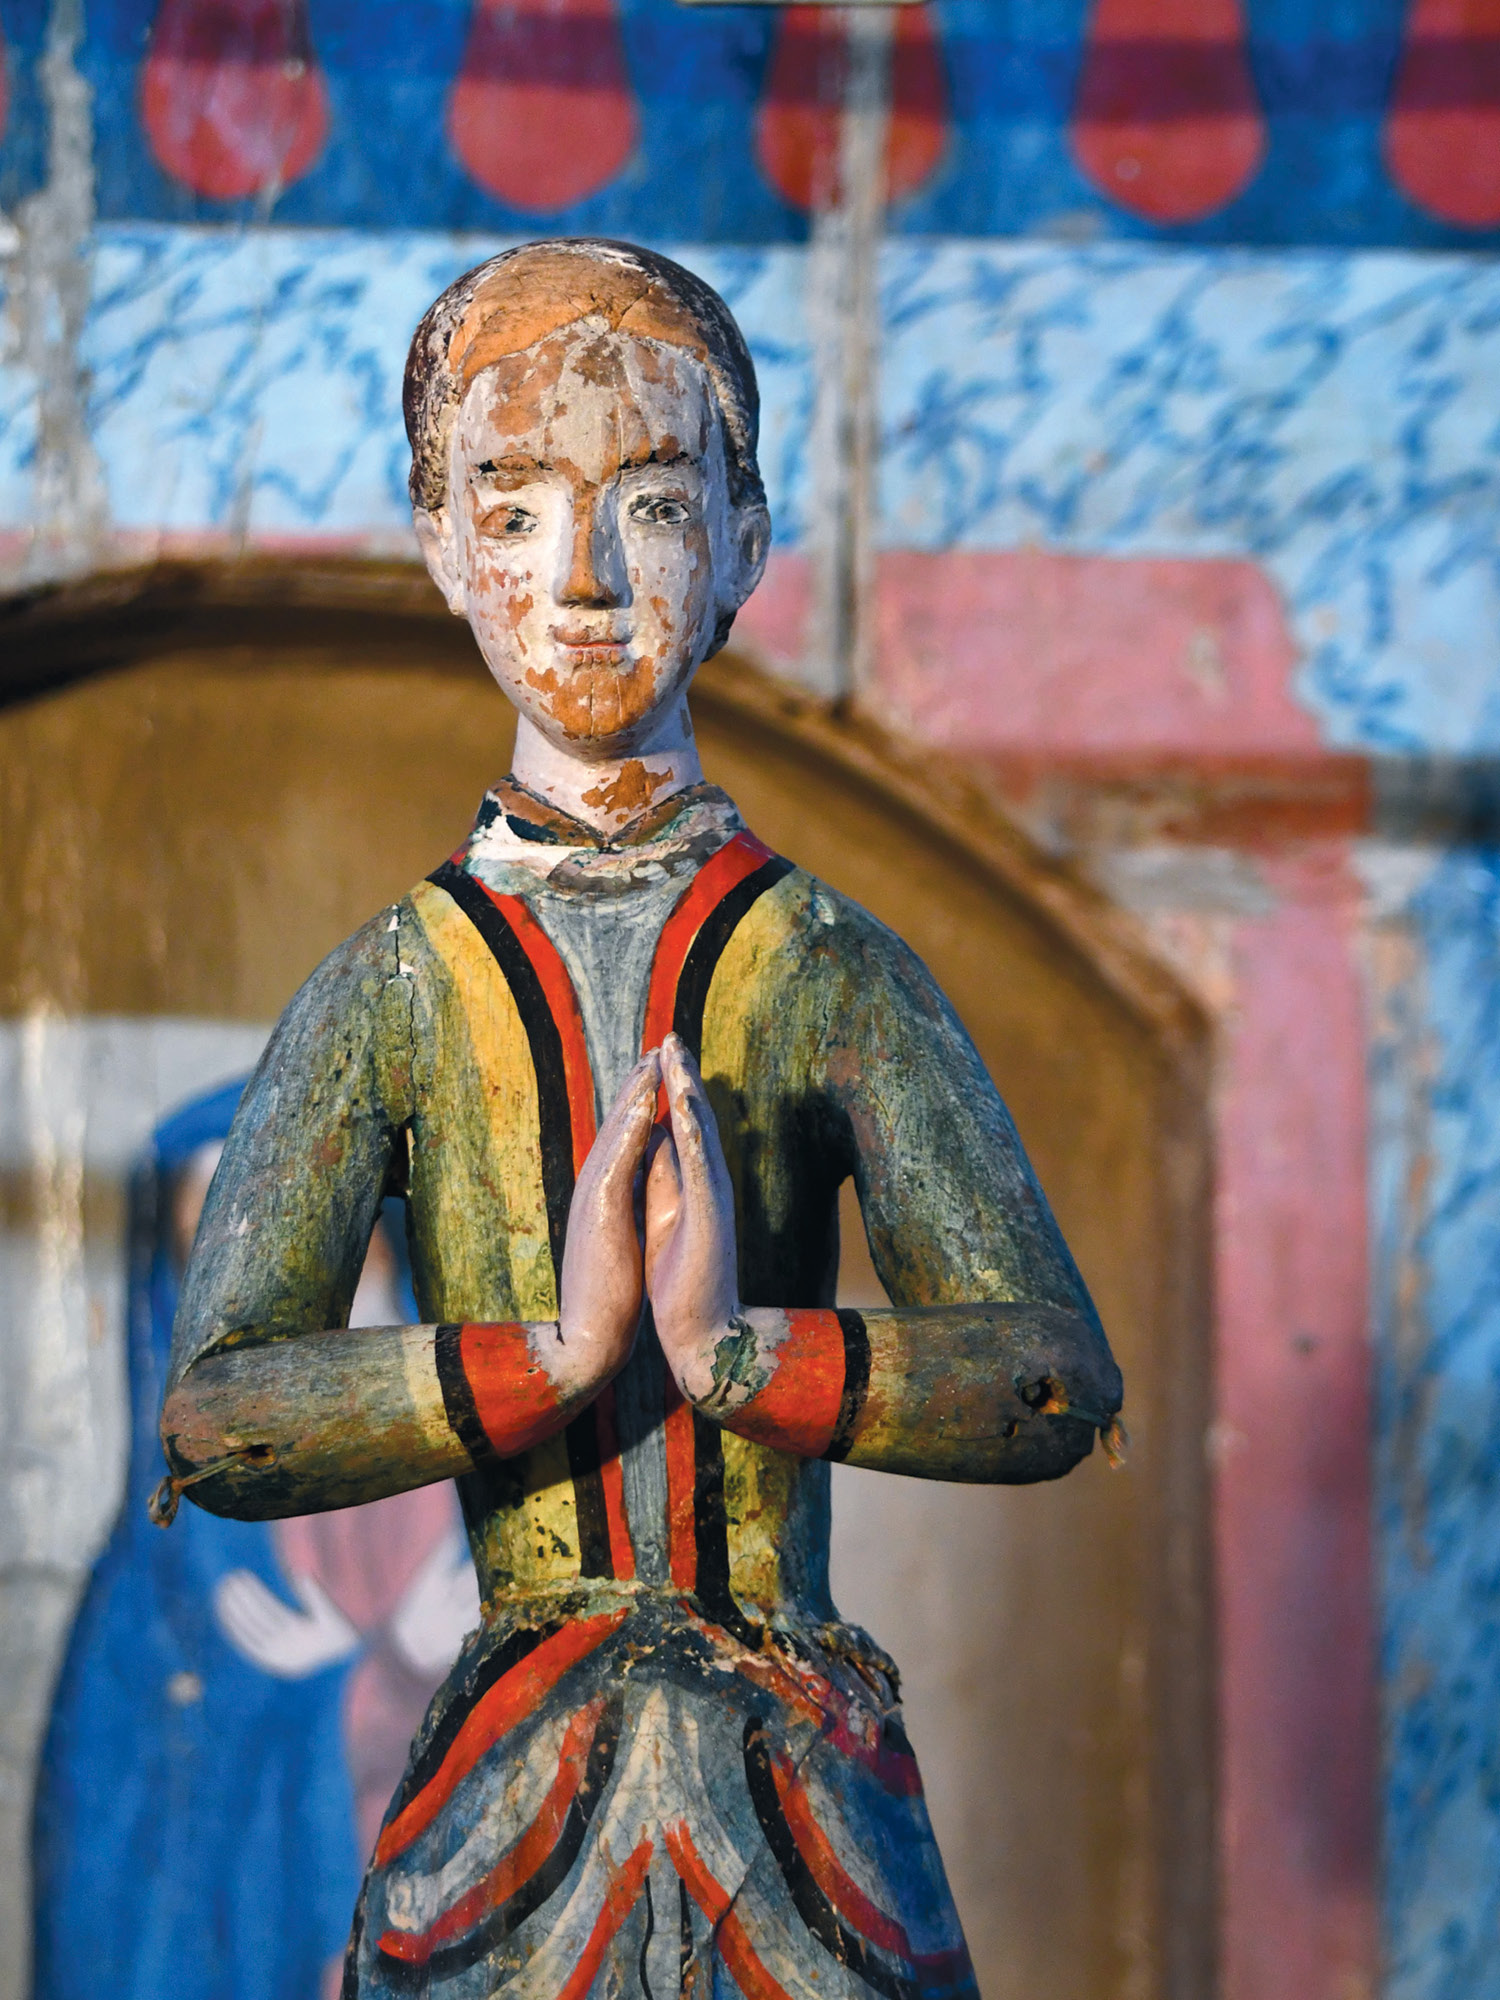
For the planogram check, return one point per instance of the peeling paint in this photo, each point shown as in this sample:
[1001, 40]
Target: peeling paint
[46, 259]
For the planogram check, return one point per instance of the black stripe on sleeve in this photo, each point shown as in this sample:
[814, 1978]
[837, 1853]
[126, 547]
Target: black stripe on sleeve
[856, 1382]
[714, 933]
[542, 1034]
[458, 1396]
[595, 1558]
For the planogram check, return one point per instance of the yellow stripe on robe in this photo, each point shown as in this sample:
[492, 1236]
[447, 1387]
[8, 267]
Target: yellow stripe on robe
[482, 1098]
[760, 1486]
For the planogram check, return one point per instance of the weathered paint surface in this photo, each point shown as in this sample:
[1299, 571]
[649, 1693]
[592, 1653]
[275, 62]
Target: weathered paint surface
[301, 759]
[664, 1579]
[1225, 123]
[1290, 1441]
[1137, 663]
[1105, 654]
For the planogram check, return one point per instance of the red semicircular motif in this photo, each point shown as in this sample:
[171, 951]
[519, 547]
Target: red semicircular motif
[1166, 122]
[797, 125]
[231, 97]
[1442, 135]
[542, 113]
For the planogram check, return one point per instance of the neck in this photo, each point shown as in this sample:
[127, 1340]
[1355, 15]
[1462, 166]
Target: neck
[608, 792]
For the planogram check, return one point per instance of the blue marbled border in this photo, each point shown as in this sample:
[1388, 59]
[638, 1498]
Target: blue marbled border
[1330, 415]
[1436, 1206]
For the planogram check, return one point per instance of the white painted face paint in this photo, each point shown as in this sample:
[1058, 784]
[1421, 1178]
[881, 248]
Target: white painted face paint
[591, 541]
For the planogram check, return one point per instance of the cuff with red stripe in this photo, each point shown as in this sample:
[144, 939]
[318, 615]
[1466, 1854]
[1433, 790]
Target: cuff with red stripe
[498, 1397]
[813, 1401]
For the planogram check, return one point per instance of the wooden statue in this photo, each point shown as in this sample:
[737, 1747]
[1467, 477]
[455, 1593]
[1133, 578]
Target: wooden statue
[618, 1057]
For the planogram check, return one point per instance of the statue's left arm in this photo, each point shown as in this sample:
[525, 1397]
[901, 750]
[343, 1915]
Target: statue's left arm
[991, 1364]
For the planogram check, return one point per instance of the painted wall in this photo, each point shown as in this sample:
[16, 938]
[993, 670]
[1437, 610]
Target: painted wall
[1188, 481]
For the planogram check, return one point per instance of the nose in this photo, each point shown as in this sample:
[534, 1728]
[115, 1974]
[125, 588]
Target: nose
[596, 566]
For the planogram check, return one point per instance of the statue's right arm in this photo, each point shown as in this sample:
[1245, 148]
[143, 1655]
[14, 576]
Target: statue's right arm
[274, 1405]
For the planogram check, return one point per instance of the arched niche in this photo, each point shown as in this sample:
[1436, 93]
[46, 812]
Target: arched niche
[209, 775]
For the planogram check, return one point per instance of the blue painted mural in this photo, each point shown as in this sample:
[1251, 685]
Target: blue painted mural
[1298, 372]
[1437, 1205]
[237, 1698]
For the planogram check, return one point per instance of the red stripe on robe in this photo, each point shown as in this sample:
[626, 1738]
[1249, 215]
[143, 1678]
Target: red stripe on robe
[731, 1938]
[513, 1697]
[519, 1862]
[562, 1002]
[619, 1901]
[682, 1479]
[722, 872]
[823, 1864]
[546, 963]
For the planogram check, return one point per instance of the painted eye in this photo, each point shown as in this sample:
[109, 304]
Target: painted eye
[661, 513]
[508, 520]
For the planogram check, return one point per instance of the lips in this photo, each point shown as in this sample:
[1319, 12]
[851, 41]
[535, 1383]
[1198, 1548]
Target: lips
[588, 635]
[583, 650]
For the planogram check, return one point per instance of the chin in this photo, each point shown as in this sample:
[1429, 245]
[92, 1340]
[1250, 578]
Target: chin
[593, 696]
[603, 746]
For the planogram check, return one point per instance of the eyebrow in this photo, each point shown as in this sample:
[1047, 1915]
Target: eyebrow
[510, 473]
[662, 459]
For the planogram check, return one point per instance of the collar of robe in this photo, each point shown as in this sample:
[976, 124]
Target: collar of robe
[522, 841]
[531, 817]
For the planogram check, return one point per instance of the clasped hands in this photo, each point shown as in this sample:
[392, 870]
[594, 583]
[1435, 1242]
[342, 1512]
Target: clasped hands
[652, 1216]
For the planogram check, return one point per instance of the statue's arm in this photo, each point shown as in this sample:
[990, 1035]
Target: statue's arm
[274, 1404]
[991, 1365]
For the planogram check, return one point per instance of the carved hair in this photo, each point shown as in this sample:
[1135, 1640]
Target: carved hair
[508, 304]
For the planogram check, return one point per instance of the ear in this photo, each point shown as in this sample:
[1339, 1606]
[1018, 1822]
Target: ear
[751, 536]
[439, 546]
[745, 564]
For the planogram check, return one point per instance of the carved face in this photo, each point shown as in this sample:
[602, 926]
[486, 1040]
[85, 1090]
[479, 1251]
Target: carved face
[589, 536]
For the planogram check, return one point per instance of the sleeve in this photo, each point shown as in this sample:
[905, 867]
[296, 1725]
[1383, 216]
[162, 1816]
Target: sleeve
[990, 1363]
[952, 1207]
[288, 1217]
